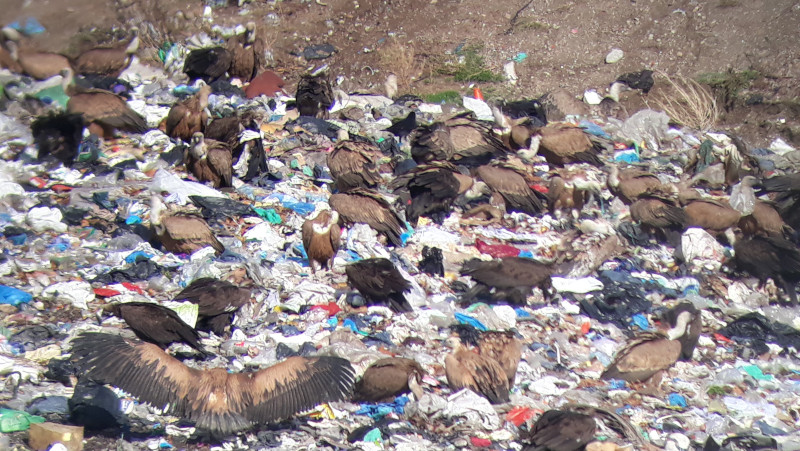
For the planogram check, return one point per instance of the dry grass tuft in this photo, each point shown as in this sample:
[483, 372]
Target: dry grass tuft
[401, 60]
[687, 102]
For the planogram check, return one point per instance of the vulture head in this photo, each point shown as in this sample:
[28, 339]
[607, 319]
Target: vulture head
[198, 147]
[333, 219]
[681, 326]
[250, 32]
[157, 208]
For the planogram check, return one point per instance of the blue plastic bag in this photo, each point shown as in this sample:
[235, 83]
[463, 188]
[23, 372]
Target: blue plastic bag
[13, 296]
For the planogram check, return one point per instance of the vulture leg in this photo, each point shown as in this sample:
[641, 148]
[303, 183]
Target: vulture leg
[789, 288]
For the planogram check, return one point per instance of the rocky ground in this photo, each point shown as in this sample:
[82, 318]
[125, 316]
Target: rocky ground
[565, 42]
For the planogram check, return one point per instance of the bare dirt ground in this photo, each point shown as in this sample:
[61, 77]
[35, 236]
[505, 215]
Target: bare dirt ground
[566, 42]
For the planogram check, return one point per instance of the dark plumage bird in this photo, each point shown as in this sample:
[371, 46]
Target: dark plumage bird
[242, 134]
[560, 430]
[314, 96]
[479, 373]
[180, 233]
[461, 139]
[388, 378]
[501, 346]
[527, 108]
[103, 111]
[156, 324]
[58, 135]
[765, 221]
[214, 399]
[786, 197]
[432, 262]
[322, 238]
[208, 64]
[507, 279]
[404, 127]
[109, 62]
[354, 164]
[658, 215]
[631, 183]
[432, 189]
[368, 207]
[510, 184]
[217, 302]
[642, 80]
[210, 161]
[189, 116]
[379, 282]
[650, 353]
[562, 145]
[693, 328]
[770, 257]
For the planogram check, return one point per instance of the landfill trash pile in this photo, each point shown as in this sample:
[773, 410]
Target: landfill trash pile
[186, 264]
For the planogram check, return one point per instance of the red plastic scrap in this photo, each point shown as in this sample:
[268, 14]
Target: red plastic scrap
[620, 146]
[722, 338]
[330, 307]
[61, 188]
[540, 188]
[586, 327]
[496, 250]
[105, 292]
[480, 442]
[132, 287]
[519, 415]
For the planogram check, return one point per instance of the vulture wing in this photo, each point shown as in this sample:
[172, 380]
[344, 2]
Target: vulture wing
[158, 324]
[220, 160]
[214, 399]
[562, 430]
[512, 186]
[208, 64]
[214, 297]
[368, 207]
[191, 229]
[108, 109]
[431, 143]
[504, 348]
[465, 369]
[295, 385]
[108, 62]
[642, 357]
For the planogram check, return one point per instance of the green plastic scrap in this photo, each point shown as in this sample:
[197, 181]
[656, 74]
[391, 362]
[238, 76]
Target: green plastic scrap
[164, 51]
[756, 373]
[294, 164]
[308, 171]
[15, 420]
[373, 436]
[269, 215]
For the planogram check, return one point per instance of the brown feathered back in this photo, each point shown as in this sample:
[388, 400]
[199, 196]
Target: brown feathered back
[214, 399]
[511, 185]
[483, 375]
[369, 207]
[109, 62]
[354, 164]
[386, 379]
[108, 110]
[562, 145]
[643, 357]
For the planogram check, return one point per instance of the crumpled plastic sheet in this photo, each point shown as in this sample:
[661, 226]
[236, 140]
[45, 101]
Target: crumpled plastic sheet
[164, 180]
[77, 293]
[647, 126]
[701, 249]
[475, 410]
[309, 293]
[42, 219]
